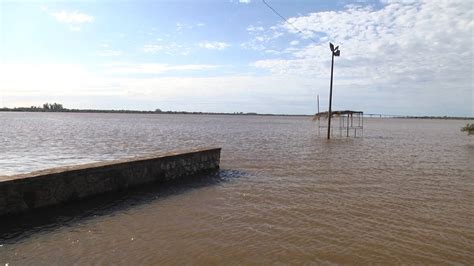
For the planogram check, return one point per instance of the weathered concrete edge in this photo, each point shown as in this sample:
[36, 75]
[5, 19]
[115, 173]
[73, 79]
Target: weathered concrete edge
[150, 156]
[23, 192]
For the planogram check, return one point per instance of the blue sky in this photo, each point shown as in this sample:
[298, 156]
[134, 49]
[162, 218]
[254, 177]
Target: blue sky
[397, 57]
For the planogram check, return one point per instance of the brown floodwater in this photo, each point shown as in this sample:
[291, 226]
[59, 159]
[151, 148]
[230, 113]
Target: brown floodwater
[404, 193]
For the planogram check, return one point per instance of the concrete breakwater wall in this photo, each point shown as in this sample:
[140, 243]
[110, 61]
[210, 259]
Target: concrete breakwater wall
[20, 193]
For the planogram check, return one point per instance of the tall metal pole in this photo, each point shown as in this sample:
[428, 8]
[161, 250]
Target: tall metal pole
[330, 98]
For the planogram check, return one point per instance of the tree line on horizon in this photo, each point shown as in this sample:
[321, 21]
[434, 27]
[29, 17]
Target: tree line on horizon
[46, 107]
[57, 107]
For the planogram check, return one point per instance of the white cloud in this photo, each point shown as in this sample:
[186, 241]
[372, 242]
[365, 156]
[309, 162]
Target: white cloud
[214, 45]
[245, 1]
[169, 48]
[69, 78]
[77, 80]
[273, 52]
[398, 1]
[295, 42]
[219, 93]
[71, 18]
[184, 26]
[130, 68]
[152, 48]
[404, 58]
[179, 26]
[408, 49]
[261, 37]
[247, 93]
[252, 28]
[408, 35]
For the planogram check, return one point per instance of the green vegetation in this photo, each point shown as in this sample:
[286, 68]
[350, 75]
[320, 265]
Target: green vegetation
[469, 128]
[47, 107]
[56, 107]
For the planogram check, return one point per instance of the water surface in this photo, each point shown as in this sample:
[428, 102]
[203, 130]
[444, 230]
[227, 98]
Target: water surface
[401, 194]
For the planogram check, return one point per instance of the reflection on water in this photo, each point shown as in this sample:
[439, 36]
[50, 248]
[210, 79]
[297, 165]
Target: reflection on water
[21, 226]
[401, 194]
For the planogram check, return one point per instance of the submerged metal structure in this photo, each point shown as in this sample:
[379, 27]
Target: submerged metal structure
[345, 123]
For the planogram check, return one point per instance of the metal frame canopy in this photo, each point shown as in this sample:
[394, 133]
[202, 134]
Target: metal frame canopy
[348, 122]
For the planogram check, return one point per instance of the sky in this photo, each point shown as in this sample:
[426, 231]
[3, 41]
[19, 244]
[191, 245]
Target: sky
[397, 57]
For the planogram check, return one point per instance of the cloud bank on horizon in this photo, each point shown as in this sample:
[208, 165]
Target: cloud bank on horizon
[397, 57]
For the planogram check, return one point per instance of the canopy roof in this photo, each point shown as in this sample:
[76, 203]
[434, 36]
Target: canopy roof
[345, 112]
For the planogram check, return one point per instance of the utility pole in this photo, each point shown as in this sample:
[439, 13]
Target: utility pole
[335, 52]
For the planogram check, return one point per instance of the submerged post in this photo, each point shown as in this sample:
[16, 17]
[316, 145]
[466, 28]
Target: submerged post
[318, 103]
[347, 134]
[335, 52]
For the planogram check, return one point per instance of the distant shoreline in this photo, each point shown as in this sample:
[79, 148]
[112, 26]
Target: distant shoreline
[65, 110]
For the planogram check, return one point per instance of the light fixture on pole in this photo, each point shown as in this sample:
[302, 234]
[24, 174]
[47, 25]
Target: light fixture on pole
[335, 52]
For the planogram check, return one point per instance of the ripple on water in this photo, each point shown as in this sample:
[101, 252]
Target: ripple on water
[402, 194]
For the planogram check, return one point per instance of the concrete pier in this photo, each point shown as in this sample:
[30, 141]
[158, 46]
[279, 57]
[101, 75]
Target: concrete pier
[24, 192]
